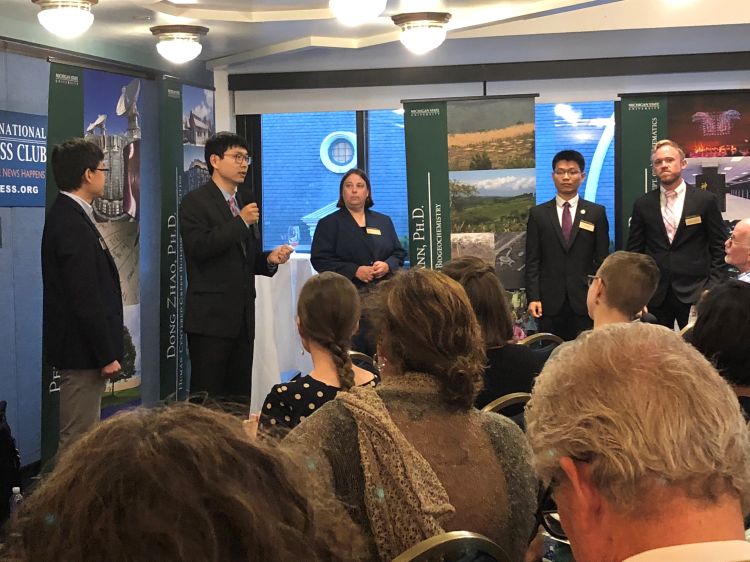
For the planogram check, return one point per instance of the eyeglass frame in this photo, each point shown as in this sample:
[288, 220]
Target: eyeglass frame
[101, 169]
[238, 157]
[569, 173]
[590, 279]
[733, 241]
[543, 516]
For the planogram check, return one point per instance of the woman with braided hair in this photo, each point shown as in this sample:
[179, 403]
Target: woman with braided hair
[327, 315]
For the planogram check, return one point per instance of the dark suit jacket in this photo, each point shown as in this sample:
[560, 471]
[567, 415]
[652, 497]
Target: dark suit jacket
[83, 327]
[222, 257]
[340, 244]
[696, 256]
[555, 270]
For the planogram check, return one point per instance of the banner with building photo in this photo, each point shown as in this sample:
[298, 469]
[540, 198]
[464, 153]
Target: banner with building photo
[186, 122]
[713, 128]
[102, 107]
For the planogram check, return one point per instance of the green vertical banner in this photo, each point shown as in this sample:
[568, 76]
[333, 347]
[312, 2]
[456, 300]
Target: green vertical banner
[426, 134]
[65, 111]
[172, 347]
[643, 122]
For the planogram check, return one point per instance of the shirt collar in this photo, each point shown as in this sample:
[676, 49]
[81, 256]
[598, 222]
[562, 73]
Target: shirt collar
[560, 201]
[679, 190]
[227, 196]
[85, 205]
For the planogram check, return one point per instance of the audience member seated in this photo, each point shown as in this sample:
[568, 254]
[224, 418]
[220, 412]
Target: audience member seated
[644, 446]
[174, 484]
[722, 334]
[328, 310]
[414, 458]
[510, 368]
[621, 288]
[737, 249]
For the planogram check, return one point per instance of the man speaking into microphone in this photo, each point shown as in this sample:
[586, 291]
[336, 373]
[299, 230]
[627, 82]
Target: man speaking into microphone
[223, 253]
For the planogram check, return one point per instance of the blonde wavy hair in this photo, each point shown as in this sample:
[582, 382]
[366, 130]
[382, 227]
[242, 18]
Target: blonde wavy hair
[645, 410]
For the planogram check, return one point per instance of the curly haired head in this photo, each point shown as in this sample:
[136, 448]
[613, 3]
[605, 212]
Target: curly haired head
[424, 322]
[175, 484]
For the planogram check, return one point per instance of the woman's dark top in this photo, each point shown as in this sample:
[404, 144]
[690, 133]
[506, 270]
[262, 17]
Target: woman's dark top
[289, 403]
[511, 368]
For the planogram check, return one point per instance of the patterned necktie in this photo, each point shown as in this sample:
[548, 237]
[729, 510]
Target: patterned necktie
[233, 206]
[670, 222]
[567, 222]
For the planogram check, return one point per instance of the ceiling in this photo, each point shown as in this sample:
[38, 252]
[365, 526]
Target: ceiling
[289, 35]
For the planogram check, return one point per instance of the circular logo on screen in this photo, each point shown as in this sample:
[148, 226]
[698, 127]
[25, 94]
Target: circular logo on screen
[338, 151]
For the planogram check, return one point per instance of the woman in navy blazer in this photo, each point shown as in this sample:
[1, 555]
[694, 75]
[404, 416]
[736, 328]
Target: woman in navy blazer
[355, 241]
[358, 243]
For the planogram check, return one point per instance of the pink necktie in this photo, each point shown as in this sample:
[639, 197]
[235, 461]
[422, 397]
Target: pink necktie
[670, 222]
[233, 206]
[567, 222]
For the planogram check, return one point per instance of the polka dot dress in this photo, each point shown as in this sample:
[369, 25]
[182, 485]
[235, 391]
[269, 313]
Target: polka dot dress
[289, 403]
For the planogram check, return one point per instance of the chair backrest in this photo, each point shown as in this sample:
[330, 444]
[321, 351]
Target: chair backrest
[499, 404]
[541, 340]
[687, 332]
[364, 361]
[454, 546]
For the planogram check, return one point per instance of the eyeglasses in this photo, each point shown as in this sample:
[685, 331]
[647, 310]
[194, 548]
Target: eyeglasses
[733, 241]
[590, 279]
[102, 169]
[571, 173]
[240, 158]
[546, 516]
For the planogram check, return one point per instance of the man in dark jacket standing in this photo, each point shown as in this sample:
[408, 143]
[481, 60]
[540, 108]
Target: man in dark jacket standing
[682, 229]
[567, 238]
[83, 320]
[223, 253]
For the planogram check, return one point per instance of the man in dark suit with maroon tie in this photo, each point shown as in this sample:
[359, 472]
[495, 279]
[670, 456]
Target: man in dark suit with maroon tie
[223, 253]
[83, 319]
[567, 239]
[682, 229]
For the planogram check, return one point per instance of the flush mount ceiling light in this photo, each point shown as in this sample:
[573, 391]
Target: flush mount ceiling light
[179, 43]
[356, 12]
[65, 18]
[421, 32]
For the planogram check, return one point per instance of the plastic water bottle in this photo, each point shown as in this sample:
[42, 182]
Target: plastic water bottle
[16, 499]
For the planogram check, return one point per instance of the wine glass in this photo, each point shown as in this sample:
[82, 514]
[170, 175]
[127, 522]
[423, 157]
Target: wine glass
[292, 234]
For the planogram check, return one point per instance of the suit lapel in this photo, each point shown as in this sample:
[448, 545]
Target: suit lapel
[222, 208]
[551, 209]
[358, 232]
[99, 238]
[580, 210]
[658, 218]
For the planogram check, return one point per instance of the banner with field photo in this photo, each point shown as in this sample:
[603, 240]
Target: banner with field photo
[103, 108]
[492, 181]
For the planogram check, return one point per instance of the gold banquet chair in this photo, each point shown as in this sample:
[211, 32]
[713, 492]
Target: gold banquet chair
[541, 340]
[506, 400]
[364, 361]
[452, 547]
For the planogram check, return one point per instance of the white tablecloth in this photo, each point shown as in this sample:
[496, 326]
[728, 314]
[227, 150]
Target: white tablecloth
[277, 344]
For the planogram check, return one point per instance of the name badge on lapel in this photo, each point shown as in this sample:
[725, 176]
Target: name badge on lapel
[690, 221]
[585, 225]
[102, 243]
[373, 230]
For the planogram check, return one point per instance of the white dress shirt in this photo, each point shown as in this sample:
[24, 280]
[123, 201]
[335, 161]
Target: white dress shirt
[719, 551]
[744, 277]
[677, 205]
